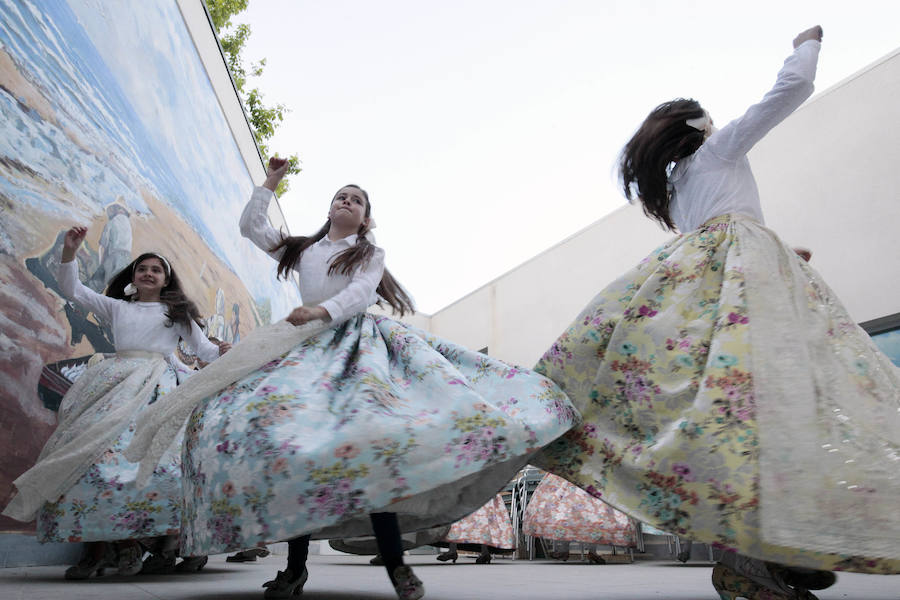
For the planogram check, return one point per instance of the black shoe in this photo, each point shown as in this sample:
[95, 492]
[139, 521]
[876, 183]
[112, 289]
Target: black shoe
[89, 565]
[162, 563]
[191, 564]
[249, 555]
[285, 585]
[806, 579]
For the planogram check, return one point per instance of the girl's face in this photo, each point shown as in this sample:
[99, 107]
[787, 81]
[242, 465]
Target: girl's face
[149, 277]
[348, 209]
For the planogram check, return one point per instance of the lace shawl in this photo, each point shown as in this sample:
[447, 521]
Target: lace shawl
[158, 426]
[98, 407]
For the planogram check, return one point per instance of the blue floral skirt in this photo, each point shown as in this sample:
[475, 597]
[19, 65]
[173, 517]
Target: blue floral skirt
[369, 416]
[105, 504]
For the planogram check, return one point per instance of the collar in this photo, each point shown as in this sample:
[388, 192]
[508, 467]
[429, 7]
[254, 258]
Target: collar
[348, 241]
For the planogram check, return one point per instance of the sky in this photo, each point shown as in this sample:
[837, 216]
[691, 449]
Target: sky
[487, 131]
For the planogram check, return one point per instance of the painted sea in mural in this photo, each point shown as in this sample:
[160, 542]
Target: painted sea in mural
[109, 120]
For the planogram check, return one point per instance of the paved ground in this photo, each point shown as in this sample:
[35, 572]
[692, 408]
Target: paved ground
[351, 578]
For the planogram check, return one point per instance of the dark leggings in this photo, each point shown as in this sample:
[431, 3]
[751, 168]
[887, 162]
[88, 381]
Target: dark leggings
[387, 536]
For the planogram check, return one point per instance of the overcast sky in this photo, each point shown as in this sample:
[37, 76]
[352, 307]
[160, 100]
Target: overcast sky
[486, 131]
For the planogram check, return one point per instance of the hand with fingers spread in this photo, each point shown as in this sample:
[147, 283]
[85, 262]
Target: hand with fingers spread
[813, 33]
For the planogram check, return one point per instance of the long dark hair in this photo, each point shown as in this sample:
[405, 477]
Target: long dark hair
[357, 256]
[646, 160]
[181, 309]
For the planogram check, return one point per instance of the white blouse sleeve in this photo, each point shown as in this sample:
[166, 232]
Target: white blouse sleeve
[793, 85]
[255, 224]
[77, 292]
[200, 344]
[358, 294]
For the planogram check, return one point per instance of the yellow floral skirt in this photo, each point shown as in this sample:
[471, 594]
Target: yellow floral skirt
[728, 398]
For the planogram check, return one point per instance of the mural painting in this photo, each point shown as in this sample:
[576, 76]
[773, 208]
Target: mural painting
[109, 121]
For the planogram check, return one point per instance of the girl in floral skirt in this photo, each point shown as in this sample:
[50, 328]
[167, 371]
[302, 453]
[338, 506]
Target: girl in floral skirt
[369, 425]
[564, 513]
[82, 489]
[487, 529]
[727, 395]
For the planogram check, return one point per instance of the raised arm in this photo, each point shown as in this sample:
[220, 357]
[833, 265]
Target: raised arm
[255, 224]
[70, 284]
[254, 221]
[793, 85]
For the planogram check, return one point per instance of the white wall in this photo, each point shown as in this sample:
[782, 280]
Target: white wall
[520, 314]
[829, 177]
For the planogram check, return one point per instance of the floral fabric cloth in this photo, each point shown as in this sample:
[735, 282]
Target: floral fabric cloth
[561, 511]
[105, 504]
[488, 525]
[661, 366]
[370, 416]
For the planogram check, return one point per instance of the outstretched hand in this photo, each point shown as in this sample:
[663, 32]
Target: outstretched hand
[277, 169]
[813, 33]
[223, 347]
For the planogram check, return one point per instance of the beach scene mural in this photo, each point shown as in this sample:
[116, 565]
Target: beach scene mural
[109, 121]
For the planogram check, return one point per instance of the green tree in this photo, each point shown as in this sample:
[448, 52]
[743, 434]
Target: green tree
[264, 119]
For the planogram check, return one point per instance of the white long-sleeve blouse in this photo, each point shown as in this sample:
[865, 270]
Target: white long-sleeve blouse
[135, 325]
[341, 295]
[717, 179]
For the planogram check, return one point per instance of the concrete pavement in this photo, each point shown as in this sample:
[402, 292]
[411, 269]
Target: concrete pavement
[344, 577]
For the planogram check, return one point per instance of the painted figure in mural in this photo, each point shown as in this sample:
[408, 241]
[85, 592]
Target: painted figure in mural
[233, 334]
[82, 488]
[728, 396]
[564, 513]
[115, 246]
[215, 324]
[329, 440]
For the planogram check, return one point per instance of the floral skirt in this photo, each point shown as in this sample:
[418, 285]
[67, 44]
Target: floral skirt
[489, 525]
[370, 416]
[105, 504]
[728, 398]
[561, 511]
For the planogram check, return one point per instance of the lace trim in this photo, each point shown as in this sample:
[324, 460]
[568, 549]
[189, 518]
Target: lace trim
[159, 425]
[828, 410]
[98, 407]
